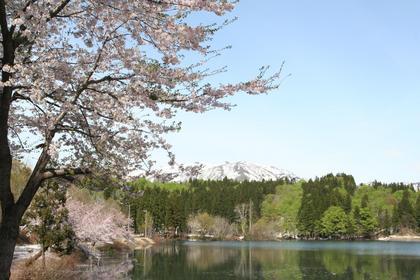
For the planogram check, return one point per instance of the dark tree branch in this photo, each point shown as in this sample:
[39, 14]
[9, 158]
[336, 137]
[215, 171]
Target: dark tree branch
[60, 7]
[76, 130]
[54, 173]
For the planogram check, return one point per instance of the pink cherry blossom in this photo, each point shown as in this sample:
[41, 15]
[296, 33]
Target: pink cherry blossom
[95, 222]
[94, 85]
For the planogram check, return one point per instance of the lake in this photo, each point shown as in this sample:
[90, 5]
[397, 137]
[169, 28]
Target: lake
[279, 260]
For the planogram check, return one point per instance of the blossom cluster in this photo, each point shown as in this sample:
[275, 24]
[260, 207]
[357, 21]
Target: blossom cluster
[98, 82]
[95, 222]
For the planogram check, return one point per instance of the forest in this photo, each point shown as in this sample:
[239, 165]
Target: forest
[328, 207]
[331, 207]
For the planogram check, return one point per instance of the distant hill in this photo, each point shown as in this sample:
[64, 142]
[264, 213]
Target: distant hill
[239, 171]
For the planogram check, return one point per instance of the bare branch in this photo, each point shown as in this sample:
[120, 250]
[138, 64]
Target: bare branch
[54, 173]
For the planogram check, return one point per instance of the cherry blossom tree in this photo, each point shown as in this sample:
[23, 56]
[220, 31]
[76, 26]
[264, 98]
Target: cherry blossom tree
[96, 222]
[93, 85]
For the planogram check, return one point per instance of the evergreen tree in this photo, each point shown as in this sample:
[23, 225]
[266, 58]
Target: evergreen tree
[334, 222]
[356, 214]
[47, 217]
[364, 222]
[357, 221]
[387, 223]
[395, 218]
[417, 212]
[169, 207]
[347, 203]
[350, 226]
[384, 221]
[367, 223]
[307, 214]
[365, 201]
[405, 215]
[318, 196]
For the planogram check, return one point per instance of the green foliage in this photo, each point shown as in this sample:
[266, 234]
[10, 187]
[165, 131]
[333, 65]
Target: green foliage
[393, 187]
[404, 216]
[88, 195]
[334, 222]
[103, 186]
[385, 221]
[417, 211]
[365, 223]
[380, 202]
[371, 206]
[169, 186]
[377, 198]
[176, 214]
[47, 217]
[347, 203]
[307, 209]
[319, 195]
[170, 204]
[282, 207]
[365, 201]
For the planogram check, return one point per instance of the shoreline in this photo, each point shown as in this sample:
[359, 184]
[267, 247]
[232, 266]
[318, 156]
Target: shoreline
[26, 250]
[405, 238]
[402, 238]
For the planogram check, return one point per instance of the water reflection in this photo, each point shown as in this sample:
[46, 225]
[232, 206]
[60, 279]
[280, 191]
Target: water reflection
[110, 265]
[279, 260]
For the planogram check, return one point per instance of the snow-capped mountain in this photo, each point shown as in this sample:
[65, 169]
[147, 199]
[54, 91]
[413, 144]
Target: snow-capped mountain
[239, 171]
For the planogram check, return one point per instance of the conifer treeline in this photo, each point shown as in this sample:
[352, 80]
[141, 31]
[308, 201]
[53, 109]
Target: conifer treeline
[170, 208]
[332, 206]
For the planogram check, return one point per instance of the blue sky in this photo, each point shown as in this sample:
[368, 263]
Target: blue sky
[351, 104]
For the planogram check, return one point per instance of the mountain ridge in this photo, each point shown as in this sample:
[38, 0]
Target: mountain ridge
[238, 171]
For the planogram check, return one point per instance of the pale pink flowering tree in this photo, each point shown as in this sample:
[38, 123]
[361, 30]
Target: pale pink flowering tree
[96, 222]
[96, 84]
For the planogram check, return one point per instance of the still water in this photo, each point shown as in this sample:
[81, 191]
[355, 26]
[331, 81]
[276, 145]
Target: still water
[279, 260]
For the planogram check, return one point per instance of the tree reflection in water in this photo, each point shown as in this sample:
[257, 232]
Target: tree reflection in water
[243, 260]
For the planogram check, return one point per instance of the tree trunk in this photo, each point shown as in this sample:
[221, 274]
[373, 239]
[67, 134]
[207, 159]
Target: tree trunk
[9, 231]
[9, 225]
